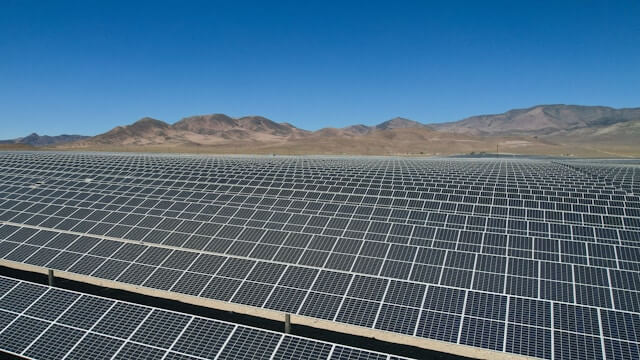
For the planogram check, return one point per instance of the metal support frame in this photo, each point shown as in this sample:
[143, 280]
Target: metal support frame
[287, 323]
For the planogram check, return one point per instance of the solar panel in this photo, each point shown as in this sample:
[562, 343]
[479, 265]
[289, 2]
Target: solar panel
[67, 324]
[458, 250]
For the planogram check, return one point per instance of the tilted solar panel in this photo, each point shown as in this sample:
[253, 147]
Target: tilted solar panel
[41, 322]
[528, 257]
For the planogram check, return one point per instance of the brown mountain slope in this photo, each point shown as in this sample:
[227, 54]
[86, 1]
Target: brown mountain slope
[540, 120]
[214, 129]
[206, 124]
[402, 141]
[217, 124]
[34, 139]
[218, 129]
[399, 123]
[417, 141]
[553, 129]
[144, 131]
[618, 138]
[359, 129]
[263, 125]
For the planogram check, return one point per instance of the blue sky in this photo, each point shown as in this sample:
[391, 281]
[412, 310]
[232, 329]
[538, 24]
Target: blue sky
[87, 66]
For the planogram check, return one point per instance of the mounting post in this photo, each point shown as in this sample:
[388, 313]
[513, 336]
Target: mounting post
[51, 278]
[287, 323]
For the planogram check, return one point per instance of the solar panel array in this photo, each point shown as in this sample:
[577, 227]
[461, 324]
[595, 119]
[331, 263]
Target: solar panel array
[41, 322]
[528, 257]
[624, 177]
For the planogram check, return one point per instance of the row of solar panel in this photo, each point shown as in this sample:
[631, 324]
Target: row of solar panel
[366, 219]
[190, 196]
[301, 188]
[588, 289]
[608, 248]
[201, 168]
[609, 173]
[488, 277]
[624, 177]
[428, 191]
[496, 264]
[578, 188]
[40, 322]
[442, 305]
[512, 277]
[345, 164]
[372, 256]
[610, 216]
[486, 319]
[275, 220]
[385, 170]
[359, 220]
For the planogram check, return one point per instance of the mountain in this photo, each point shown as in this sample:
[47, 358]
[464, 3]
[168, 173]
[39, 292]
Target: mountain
[540, 120]
[622, 132]
[199, 130]
[34, 139]
[143, 132]
[349, 131]
[399, 141]
[216, 124]
[359, 129]
[206, 124]
[542, 129]
[263, 125]
[399, 123]
[218, 129]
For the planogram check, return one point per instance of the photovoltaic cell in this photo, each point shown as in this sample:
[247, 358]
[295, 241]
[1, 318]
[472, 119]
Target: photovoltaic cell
[467, 243]
[105, 333]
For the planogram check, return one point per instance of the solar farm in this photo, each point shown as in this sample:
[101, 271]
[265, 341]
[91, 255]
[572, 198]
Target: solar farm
[492, 258]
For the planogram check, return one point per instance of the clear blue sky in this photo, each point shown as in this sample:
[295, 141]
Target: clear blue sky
[87, 66]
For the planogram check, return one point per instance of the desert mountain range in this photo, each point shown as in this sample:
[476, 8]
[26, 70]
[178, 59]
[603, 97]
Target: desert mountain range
[543, 129]
[43, 140]
[542, 120]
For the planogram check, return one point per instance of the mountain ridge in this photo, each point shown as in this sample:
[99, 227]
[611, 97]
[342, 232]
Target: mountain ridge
[538, 126]
[540, 120]
[34, 139]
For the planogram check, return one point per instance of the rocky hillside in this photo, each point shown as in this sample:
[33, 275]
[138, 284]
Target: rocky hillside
[195, 130]
[543, 129]
[541, 120]
[34, 139]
